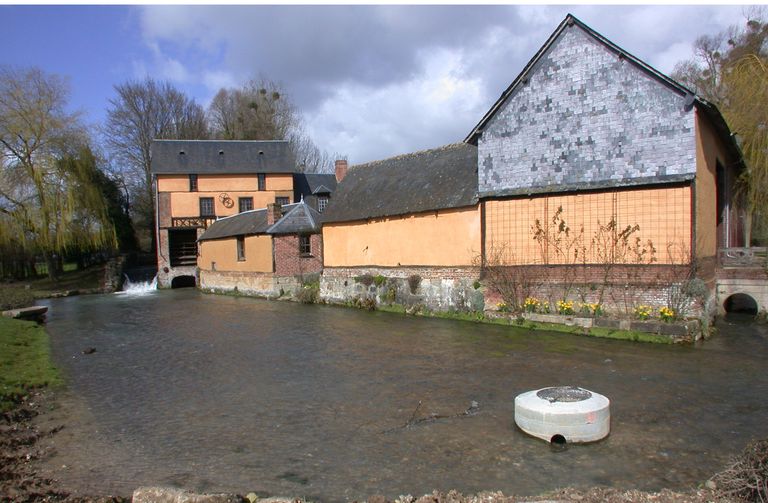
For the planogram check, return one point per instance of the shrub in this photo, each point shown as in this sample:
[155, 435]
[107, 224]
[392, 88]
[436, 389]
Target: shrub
[308, 293]
[414, 281]
[14, 298]
[643, 312]
[476, 285]
[565, 306]
[666, 314]
[366, 303]
[595, 309]
[531, 304]
[366, 279]
[379, 280]
[391, 294]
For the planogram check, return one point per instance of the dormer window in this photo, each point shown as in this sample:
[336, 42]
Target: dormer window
[193, 183]
[322, 202]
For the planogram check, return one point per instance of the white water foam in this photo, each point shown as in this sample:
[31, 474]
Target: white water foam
[140, 287]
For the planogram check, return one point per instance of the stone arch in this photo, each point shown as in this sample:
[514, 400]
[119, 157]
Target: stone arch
[740, 303]
[183, 281]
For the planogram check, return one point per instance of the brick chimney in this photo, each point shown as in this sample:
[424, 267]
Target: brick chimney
[341, 169]
[273, 213]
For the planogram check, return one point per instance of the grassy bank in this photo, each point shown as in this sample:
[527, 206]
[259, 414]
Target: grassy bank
[478, 317]
[25, 360]
[23, 293]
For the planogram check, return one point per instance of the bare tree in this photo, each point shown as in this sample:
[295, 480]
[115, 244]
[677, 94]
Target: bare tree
[262, 110]
[141, 112]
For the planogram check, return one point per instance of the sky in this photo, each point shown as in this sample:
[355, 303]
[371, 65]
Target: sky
[370, 81]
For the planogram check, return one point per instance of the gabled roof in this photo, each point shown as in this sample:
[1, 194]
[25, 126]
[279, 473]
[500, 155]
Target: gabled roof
[221, 157]
[441, 178]
[305, 184]
[242, 224]
[301, 219]
[570, 21]
[296, 218]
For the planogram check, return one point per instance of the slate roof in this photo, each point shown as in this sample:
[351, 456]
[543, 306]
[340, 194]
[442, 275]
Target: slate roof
[705, 106]
[242, 224]
[441, 178]
[221, 156]
[301, 219]
[306, 184]
[297, 218]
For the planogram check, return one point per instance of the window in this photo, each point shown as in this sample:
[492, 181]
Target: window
[322, 202]
[245, 204]
[206, 207]
[262, 181]
[305, 248]
[193, 183]
[240, 248]
[282, 201]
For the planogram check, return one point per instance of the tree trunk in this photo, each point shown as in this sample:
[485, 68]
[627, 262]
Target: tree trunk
[50, 262]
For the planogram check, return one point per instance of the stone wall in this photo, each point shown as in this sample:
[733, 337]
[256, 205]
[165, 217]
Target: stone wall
[626, 286]
[585, 116]
[248, 283]
[437, 288]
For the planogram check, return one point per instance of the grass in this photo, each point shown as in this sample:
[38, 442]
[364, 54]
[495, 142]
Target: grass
[25, 361]
[40, 288]
[478, 317]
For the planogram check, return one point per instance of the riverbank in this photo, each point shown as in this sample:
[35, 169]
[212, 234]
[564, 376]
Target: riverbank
[16, 294]
[25, 361]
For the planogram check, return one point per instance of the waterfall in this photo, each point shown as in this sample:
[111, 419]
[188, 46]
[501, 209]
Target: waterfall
[140, 287]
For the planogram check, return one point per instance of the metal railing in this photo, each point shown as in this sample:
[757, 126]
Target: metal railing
[743, 257]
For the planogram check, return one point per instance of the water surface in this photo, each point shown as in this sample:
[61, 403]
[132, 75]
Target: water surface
[215, 393]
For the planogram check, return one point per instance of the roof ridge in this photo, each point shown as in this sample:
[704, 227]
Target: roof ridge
[410, 154]
[220, 141]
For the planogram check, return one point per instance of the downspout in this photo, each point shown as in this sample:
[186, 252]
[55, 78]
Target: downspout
[157, 222]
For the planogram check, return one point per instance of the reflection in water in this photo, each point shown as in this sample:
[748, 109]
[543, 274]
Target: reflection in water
[221, 393]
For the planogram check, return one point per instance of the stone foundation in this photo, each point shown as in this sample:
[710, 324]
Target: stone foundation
[165, 277]
[258, 284]
[436, 288]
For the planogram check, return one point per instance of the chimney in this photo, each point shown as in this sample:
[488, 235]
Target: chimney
[273, 213]
[341, 169]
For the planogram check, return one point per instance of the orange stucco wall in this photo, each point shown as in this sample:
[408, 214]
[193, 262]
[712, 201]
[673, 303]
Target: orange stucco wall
[187, 204]
[663, 215]
[258, 255]
[709, 149]
[437, 238]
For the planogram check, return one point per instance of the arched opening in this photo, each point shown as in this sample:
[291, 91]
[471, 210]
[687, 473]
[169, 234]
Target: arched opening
[740, 303]
[558, 443]
[183, 282]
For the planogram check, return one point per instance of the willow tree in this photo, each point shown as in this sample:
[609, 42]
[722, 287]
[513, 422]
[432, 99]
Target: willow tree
[729, 69]
[47, 204]
[746, 109]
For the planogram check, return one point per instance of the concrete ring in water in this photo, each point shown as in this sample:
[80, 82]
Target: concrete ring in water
[563, 414]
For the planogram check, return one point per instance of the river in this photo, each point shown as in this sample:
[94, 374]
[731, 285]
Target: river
[218, 393]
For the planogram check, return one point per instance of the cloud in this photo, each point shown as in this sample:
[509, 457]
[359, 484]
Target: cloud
[375, 81]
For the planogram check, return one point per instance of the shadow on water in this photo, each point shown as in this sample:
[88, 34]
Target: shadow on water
[245, 395]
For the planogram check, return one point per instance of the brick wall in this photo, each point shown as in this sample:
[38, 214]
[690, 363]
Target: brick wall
[585, 116]
[288, 261]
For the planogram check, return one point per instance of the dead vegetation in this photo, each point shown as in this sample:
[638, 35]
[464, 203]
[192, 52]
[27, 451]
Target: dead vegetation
[746, 478]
